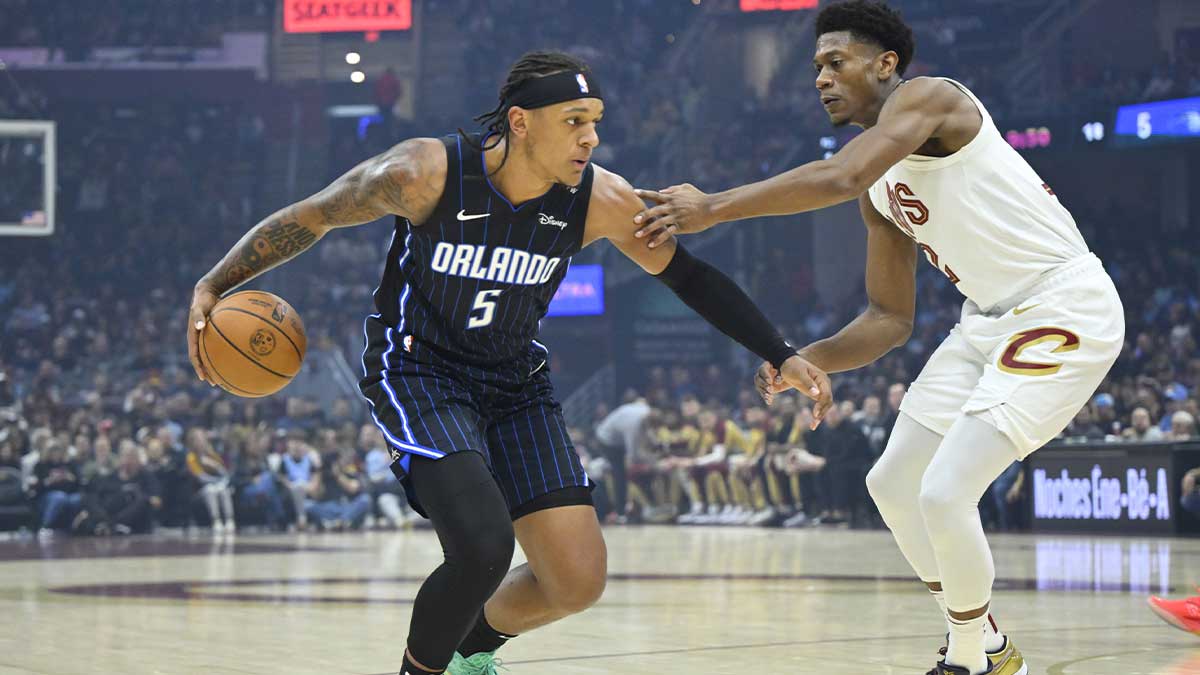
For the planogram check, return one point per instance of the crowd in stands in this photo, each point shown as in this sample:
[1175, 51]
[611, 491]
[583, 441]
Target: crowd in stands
[72, 29]
[104, 429]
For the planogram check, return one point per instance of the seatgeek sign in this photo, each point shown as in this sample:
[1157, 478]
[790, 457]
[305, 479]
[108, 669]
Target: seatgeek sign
[342, 16]
[1109, 495]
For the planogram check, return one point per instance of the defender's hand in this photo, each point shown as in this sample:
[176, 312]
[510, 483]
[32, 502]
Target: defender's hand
[681, 209]
[810, 381]
[203, 300]
[768, 383]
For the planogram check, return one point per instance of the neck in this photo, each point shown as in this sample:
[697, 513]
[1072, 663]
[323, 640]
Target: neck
[516, 180]
[873, 113]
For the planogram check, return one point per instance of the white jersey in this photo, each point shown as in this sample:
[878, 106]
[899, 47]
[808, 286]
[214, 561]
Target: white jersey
[981, 215]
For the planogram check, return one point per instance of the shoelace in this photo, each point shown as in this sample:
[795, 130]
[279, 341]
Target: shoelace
[498, 664]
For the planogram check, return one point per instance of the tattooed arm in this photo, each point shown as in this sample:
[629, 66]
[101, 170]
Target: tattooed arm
[406, 180]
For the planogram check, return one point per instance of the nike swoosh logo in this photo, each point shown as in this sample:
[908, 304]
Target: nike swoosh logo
[1022, 310]
[462, 215]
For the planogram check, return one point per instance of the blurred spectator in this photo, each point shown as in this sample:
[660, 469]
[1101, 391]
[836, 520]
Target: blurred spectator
[385, 490]
[621, 436]
[120, 502]
[56, 484]
[209, 469]
[1190, 492]
[344, 500]
[170, 471]
[301, 472]
[848, 458]
[1005, 494]
[1183, 426]
[258, 488]
[1140, 428]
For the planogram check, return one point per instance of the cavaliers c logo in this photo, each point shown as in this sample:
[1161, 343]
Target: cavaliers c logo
[262, 342]
[1010, 360]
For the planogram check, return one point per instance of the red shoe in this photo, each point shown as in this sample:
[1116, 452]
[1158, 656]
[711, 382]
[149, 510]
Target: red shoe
[1182, 614]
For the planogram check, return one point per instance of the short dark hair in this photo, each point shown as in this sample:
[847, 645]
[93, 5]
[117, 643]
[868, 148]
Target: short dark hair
[870, 21]
[532, 64]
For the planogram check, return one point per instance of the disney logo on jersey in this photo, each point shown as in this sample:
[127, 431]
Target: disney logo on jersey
[501, 264]
[546, 219]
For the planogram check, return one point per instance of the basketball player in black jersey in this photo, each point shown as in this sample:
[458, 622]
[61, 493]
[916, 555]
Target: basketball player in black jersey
[454, 375]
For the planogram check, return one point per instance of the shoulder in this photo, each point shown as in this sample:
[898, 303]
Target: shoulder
[612, 192]
[414, 159]
[413, 175]
[926, 94]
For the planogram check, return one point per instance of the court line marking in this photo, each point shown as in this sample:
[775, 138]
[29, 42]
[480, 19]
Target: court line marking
[1060, 667]
[794, 643]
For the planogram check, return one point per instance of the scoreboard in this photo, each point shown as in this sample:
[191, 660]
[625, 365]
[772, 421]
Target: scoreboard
[1158, 121]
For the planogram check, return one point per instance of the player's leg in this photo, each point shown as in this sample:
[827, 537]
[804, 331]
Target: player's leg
[431, 424]
[1042, 365]
[559, 580]
[554, 520]
[460, 495]
[972, 455]
[470, 516]
[895, 485]
[929, 408]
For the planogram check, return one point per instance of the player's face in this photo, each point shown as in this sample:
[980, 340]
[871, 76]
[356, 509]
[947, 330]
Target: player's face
[562, 137]
[847, 77]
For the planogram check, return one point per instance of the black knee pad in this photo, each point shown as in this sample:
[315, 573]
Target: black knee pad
[470, 516]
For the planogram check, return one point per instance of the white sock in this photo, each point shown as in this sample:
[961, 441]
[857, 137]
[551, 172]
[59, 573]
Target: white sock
[966, 645]
[940, 597]
[993, 639]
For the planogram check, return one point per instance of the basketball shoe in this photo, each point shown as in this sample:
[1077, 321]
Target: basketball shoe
[483, 663]
[1182, 614]
[1004, 661]
[942, 669]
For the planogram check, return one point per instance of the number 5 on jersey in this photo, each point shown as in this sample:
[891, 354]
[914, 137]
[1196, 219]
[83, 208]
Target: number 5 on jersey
[484, 302]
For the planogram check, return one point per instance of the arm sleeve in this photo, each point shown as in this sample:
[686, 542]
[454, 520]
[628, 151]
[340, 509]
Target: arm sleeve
[716, 298]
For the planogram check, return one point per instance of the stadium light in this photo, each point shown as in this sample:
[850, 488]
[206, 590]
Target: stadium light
[357, 77]
[353, 58]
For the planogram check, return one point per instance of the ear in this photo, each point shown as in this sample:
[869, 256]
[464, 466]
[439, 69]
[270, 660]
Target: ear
[887, 63]
[518, 121]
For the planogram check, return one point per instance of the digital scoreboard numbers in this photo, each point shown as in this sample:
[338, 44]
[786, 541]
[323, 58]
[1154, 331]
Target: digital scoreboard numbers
[1159, 121]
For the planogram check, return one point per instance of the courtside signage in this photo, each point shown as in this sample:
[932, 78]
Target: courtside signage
[334, 16]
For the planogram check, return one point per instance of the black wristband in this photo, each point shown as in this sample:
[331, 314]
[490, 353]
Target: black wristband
[716, 298]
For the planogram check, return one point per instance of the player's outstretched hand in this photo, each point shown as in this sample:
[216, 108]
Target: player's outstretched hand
[800, 375]
[768, 382]
[203, 300]
[679, 209]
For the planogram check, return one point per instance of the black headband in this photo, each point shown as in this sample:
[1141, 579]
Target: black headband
[537, 92]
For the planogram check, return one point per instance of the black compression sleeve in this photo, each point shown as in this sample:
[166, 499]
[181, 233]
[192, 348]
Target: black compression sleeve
[720, 301]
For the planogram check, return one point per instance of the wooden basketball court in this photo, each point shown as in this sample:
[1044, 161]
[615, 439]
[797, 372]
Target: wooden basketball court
[680, 600]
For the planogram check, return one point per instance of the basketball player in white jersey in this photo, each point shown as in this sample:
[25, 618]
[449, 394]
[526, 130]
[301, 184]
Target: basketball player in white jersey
[1041, 324]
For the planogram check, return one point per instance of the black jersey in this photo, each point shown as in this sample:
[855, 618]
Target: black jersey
[474, 281]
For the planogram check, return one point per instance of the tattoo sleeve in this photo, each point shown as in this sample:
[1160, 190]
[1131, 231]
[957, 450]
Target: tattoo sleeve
[277, 239]
[393, 182]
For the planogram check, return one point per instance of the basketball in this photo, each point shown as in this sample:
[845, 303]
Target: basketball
[253, 343]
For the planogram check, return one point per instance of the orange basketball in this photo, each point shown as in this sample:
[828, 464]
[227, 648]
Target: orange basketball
[253, 343]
